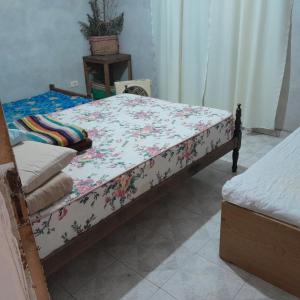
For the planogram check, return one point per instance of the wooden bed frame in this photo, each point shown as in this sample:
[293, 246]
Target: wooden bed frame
[261, 245]
[76, 246]
[12, 185]
[52, 87]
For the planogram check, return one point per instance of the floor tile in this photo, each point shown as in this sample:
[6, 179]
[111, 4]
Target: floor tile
[57, 292]
[254, 146]
[210, 252]
[82, 269]
[257, 289]
[170, 251]
[174, 262]
[162, 295]
[128, 234]
[116, 282]
[155, 257]
[202, 280]
[225, 167]
[185, 227]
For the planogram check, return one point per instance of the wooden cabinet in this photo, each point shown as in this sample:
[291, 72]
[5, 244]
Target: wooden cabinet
[105, 62]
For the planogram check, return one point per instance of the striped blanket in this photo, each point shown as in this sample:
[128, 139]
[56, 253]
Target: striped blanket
[44, 129]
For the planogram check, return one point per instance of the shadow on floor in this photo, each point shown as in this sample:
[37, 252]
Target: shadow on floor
[177, 237]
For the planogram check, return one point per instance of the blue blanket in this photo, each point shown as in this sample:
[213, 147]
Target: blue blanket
[41, 104]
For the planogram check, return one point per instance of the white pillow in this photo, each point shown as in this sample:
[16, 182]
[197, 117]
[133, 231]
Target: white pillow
[16, 136]
[53, 190]
[38, 162]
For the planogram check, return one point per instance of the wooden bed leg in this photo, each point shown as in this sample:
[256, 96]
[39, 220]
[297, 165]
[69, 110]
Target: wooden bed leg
[238, 136]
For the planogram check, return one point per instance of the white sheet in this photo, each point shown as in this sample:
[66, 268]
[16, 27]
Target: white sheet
[272, 185]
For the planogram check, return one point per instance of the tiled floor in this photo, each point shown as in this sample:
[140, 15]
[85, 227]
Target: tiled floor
[171, 250]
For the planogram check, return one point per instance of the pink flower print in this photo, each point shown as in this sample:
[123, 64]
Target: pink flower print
[97, 103]
[96, 133]
[120, 193]
[142, 115]
[123, 183]
[145, 131]
[134, 102]
[99, 155]
[148, 129]
[95, 116]
[84, 185]
[185, 112]
[91, 154]
[188, 149]
[202, 126]
[153, 151]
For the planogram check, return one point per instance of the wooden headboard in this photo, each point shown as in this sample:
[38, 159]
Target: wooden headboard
[52, 87]
[12, 185]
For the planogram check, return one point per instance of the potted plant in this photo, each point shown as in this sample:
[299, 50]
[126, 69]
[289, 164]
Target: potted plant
[103, 27]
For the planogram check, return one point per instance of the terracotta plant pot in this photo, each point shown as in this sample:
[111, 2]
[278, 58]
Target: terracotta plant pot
[104, 45]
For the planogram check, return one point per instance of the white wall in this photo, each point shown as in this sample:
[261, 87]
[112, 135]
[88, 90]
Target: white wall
[136, 39]
[40, 43]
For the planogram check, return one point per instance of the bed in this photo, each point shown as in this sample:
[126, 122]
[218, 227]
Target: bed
[51, 101]
[260, 230]
[141, 146]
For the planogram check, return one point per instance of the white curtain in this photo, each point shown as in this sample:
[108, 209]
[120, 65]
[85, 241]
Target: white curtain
[218, 53]
[166, 26]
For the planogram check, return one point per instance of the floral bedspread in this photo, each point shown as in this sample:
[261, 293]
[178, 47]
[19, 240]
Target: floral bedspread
[137, 143]
[42, 104]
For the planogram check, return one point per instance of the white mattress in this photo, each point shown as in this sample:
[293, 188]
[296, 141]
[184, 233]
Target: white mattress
[272, 185]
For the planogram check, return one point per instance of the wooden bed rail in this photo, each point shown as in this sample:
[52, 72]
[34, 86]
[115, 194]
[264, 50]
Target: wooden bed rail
[30, 258]
[52, 87]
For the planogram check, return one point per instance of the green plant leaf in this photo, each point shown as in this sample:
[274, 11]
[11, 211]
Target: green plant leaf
[97, 24]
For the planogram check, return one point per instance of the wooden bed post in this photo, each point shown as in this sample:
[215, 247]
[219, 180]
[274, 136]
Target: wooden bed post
[12, 184]
[238, 136]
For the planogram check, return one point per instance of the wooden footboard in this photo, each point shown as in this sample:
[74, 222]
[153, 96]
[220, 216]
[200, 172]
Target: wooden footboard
[265, 247]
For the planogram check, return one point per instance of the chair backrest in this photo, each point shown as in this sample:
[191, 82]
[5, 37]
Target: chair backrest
[137, 87]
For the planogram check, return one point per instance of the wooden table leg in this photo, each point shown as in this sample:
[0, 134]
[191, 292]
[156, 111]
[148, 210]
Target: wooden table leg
[87, 80]
[129, 69]
[107, 79]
